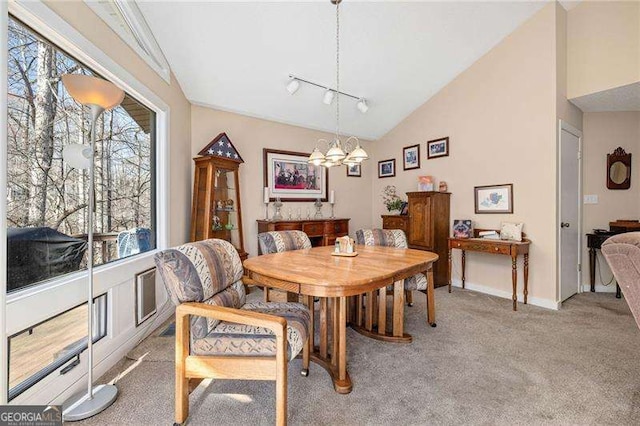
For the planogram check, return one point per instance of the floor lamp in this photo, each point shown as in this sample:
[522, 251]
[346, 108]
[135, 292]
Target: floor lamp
[99, 95]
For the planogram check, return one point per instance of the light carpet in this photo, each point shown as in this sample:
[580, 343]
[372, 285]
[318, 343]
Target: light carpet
[483, 364]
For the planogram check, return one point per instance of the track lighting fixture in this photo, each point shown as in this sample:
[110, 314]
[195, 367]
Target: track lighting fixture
[327, 99]
[362, 106]
[293, 85]
[329, 94]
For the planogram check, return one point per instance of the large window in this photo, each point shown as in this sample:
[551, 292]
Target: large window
[47, 200]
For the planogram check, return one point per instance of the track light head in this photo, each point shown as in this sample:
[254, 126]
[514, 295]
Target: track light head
[328, 97]
[362, 105]
[293, 85]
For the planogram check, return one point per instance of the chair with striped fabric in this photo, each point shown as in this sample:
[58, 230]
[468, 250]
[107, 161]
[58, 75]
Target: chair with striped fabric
[279, 241]
[218, 334]
[392, 238]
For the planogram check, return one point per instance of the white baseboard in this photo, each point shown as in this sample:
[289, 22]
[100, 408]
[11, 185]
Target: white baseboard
[611, 288]
[536, 301]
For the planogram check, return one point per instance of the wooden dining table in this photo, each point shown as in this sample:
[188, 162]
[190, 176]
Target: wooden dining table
[316, 273]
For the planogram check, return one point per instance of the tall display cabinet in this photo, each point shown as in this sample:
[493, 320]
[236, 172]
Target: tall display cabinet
[216, 211]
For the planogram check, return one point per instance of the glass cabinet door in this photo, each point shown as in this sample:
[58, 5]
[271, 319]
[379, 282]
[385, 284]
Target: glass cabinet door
[225, 217]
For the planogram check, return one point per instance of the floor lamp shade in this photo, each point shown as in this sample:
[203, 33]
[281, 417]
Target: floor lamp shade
[99, 95]
[90, 90]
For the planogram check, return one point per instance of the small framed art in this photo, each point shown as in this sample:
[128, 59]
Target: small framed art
[411, 157]
[494, 198]
[354, 170]
[438, 148]
[387, 168]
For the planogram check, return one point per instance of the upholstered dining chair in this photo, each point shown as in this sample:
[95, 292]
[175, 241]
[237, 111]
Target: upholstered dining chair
[218, 334]
[279, 241]
[392, 238]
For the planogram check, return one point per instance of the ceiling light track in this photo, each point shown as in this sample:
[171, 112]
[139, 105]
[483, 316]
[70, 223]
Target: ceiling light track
[322, 86]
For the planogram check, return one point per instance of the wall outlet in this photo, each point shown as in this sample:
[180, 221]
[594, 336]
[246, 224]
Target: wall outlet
[591, 199]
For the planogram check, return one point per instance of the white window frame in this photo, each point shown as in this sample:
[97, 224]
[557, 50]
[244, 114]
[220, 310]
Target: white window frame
[57, 295]
[153, 55]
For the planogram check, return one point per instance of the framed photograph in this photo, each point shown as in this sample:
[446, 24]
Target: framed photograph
[494, 198]
[354, 170]
[290, 177]
[411, 157]
[462, 228]
[405, 208]
[438, 148]
[387, 168]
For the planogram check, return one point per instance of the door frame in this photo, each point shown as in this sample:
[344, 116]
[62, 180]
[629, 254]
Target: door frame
[562, 125]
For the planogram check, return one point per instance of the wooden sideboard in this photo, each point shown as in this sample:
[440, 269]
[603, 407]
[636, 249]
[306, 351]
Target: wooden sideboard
[321, 232]
[426, 227]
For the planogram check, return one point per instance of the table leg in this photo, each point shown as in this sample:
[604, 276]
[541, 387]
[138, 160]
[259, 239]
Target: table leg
[431, 302]
[463, 265]
[449, 272]
[514, 280]
[342, 338]
[592, 268]
[323, 327]
[336, 362]
[526, 277]
[618, 294]
[398, 308]
[335, 332]
[368, 311]
[382, 311]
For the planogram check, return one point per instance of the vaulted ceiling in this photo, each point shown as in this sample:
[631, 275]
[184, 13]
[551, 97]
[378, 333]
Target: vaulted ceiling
[237, 56]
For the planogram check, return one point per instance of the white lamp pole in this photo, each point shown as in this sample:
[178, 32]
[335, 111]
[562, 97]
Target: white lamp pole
[99, 95]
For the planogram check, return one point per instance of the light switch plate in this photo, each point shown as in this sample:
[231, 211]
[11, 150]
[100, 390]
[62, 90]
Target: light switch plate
[591, 199]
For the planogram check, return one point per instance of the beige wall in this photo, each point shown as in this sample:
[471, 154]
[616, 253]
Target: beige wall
[566, 111]
[500, 115]
[604, 132]
[249, 136]
[82, 18]
[603, 46]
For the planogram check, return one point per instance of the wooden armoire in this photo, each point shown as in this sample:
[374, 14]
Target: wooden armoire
[427, 227]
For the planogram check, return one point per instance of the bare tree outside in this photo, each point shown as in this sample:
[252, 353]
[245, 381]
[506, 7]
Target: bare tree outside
[43, 192]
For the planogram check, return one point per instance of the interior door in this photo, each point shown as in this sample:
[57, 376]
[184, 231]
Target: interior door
[570, 210]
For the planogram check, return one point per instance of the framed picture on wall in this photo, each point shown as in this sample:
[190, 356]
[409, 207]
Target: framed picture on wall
[290, 177]
[411, 157]
[354, 170]
[494, 198]
[387, 168]
[438, 148]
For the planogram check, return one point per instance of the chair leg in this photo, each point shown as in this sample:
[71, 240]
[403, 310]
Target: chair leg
[182, 382]
[281, 385]
[306, 351]
[409, 297]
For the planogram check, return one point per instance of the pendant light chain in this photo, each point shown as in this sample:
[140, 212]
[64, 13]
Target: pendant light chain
[338, 71]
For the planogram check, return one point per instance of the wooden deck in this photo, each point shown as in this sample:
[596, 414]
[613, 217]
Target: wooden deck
[30, 353]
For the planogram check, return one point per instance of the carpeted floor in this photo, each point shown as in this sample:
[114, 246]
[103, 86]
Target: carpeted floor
[482, 364]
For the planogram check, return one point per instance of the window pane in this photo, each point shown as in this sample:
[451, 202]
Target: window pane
[42, 349]
[47, 206]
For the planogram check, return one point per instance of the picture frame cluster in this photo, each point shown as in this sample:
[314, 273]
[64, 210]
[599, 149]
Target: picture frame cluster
[436, 148]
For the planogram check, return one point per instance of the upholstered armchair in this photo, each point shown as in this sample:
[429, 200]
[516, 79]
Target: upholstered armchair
[218, 334]
[392, 238]
[279, 241]
[622, 253]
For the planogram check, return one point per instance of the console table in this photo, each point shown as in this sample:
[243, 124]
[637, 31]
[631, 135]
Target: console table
[503, 247]
[594, 242]
[321, 232]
